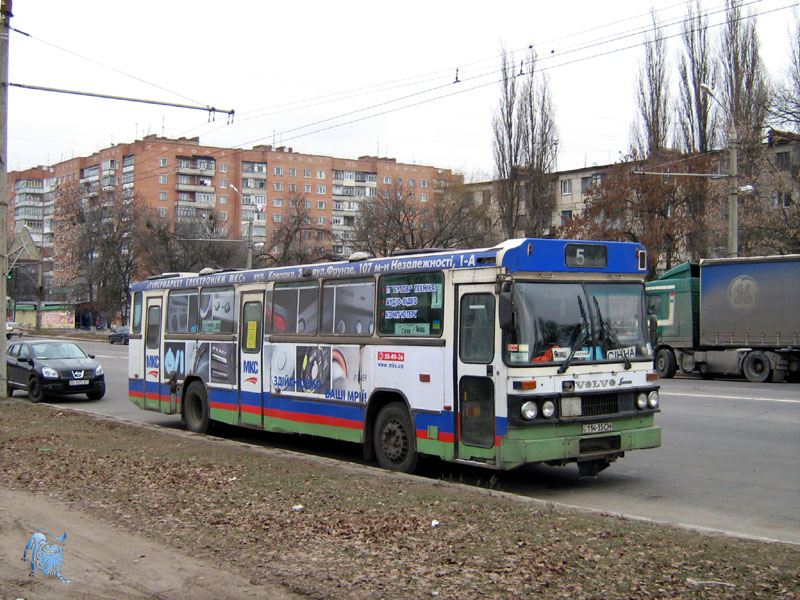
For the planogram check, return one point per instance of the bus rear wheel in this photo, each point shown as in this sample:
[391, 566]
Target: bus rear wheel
[196, 414]
[394, 439]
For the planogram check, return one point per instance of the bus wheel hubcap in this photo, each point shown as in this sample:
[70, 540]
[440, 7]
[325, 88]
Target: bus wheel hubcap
[395, 444]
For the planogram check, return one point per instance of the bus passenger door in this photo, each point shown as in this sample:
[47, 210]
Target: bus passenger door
[251, 364]
[153, 377]
[475, 428]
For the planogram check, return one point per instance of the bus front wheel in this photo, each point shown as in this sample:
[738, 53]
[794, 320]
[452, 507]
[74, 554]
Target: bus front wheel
[394, 439]
[196, 414]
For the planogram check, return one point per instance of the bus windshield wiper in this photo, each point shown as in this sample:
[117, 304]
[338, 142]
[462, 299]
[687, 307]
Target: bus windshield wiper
[606, 328]
[579, 341]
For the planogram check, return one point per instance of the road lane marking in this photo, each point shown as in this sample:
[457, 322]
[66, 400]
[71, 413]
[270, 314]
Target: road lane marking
[784, 401]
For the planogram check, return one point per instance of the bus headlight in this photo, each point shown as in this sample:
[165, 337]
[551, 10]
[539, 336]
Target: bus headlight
[529, 410]
[641, 401]
[652, 399]
[548, 409]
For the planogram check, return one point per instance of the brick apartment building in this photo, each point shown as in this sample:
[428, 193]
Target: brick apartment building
[255, 188]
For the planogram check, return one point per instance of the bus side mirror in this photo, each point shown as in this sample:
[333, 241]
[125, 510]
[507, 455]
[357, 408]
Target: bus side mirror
[506, 310]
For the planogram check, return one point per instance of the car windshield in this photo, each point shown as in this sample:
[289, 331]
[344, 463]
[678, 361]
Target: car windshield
[574, 322]
[61, 350]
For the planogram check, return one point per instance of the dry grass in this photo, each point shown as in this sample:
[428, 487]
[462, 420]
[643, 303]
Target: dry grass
[362, 533]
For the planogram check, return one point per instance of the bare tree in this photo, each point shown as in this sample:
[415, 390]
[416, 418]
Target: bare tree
[190, 243]
[507, 149]
[695, 117]
[98, 260]
[785, 108]
[297, 239]
[396, 220]
[745, 91]
[539, 146]
[649, 132]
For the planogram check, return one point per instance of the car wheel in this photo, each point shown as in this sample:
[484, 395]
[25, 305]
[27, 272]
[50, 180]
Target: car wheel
[110, 341]
[35, 391]
[9, 389]
[394, 439]
[196, 413]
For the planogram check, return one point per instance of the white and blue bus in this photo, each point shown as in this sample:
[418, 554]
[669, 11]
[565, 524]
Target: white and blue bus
[535, 350]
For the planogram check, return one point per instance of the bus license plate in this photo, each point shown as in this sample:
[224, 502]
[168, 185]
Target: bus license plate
[79, 382]
[597, 428]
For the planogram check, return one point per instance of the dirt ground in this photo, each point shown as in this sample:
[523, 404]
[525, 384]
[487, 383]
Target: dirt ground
[102, 561]
[166, 514]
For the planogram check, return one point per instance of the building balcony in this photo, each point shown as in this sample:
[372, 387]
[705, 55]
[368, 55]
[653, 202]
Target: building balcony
[194, 171]
[186, 187]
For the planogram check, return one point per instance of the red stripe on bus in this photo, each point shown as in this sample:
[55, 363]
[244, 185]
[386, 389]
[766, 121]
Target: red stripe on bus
[313, 419]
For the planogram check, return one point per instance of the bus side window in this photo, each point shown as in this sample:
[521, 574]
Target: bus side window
[347, 307]
[295, 307]
[136, 316]
[153, 326]
[182, 312]
[477, 328]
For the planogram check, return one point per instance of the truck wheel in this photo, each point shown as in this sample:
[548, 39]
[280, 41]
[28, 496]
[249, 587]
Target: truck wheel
[665, 363]
[395, 439]
[756, 367]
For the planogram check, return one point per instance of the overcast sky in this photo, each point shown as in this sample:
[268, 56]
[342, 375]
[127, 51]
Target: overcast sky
[336, 78]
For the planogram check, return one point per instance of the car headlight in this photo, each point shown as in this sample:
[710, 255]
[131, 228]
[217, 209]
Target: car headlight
[99, 370]
[652, 399]
[49, 372]
[548, 409]
[641, 401]
[529, 410]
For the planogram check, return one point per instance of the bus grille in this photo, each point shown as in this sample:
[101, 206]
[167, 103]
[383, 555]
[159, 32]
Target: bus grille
[599, 444]
[601, 404]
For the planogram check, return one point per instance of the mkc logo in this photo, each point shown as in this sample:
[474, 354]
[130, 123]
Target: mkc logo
[152, 361]
[250, 367]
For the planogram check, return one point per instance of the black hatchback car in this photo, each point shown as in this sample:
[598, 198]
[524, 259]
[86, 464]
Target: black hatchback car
[120, 335]
[53, 368]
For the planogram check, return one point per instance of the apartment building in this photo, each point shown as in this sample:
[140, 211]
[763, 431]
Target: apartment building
[252, 192]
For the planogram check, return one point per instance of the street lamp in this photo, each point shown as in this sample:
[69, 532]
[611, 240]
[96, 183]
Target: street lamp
[733, 175]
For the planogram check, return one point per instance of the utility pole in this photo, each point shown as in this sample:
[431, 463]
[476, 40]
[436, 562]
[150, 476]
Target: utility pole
[5, 16]
[733, 193]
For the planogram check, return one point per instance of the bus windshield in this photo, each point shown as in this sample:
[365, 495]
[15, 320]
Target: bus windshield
[577, 322]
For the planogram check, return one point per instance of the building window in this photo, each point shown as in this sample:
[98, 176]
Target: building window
[307, 188]
[307, 173]
[320, 205]
[223, 215]
[277, 202]
[320, 220]
[321, 189]
[292, 172]
[784, 200]
[783, 160]
[387, 180]
[223, 167]
[162, 162]
[423, 197]
[412, 183]
[566, 216]
[423, 183]
[223, 183]
[277, 186]
[566, 186]
[162, 179]
[162, 211]
[320, 174]
[223, 199]
[293, 187]
[277, 218]
[162, 195]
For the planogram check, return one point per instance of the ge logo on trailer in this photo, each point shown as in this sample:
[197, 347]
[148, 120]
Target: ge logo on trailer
[743, 293]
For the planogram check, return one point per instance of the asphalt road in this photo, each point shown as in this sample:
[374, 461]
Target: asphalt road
[730, 456]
